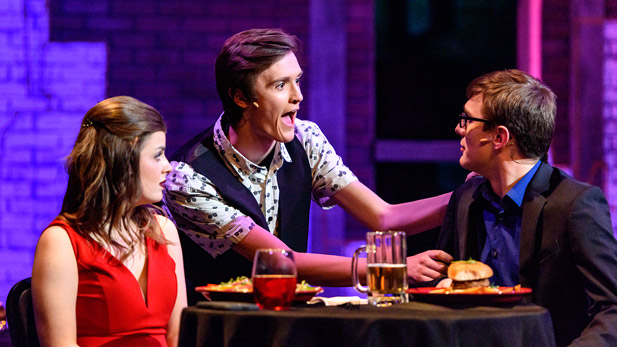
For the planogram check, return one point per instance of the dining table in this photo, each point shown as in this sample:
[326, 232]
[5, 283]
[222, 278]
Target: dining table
[408, 324]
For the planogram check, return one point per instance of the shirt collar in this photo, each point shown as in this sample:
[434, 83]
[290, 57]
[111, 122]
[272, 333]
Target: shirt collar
[228, 151]
[517, 193]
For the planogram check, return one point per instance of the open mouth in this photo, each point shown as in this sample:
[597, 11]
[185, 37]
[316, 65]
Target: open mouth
[289, 118]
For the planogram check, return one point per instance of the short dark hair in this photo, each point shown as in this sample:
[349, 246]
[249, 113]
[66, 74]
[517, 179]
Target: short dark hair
[521, 103]
[244, 56]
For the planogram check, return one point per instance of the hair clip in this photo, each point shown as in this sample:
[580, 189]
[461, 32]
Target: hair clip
[87, 123]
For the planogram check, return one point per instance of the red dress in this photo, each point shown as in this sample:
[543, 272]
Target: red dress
[111, 310]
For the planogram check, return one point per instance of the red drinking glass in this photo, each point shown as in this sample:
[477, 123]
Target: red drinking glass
[274, 279]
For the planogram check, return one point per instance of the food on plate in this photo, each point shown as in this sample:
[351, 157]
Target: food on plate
[484, 296]
[469, 274]
[241, 284]
[479, 290]
[472, 277]
[244, 284]
[305, 287]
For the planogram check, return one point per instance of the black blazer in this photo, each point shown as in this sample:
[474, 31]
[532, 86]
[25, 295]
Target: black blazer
[568, 253]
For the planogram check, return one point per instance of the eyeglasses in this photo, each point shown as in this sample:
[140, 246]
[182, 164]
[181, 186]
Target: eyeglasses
[463, 118]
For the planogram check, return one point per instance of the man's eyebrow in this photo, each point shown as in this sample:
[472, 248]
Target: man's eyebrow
[286, 78]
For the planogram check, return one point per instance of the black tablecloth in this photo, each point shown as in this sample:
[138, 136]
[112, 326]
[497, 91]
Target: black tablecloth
[411, 324]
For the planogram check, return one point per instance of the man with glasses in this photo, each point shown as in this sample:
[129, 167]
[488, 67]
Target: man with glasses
[531, 222]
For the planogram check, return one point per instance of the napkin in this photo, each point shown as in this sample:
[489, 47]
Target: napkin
[338, 300]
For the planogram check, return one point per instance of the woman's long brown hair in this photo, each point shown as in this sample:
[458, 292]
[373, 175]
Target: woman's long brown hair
[103, 168]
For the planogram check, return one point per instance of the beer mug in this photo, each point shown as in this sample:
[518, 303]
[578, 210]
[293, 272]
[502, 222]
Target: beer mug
[386, 273]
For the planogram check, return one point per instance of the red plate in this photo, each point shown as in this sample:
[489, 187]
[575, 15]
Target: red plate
[506, 297]
[218, 295]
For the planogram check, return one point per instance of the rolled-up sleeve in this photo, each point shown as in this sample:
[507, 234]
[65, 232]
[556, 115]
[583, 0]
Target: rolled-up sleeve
[200, 211]
[330, 174]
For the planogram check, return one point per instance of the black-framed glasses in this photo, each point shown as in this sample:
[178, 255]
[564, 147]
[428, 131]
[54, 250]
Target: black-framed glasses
[463, 118]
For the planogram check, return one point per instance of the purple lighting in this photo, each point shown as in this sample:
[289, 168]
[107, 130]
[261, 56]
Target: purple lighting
[45, 88]
[530, 37]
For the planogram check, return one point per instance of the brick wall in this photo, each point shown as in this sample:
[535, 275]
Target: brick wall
[556, 70]
[610, 115]
[163, 52]
[44, 89]
[610, 106]
[360, 98]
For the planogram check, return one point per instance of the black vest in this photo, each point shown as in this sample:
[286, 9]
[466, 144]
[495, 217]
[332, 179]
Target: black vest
[294, 181]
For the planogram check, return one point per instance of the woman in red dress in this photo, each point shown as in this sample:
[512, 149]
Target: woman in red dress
[108, 270]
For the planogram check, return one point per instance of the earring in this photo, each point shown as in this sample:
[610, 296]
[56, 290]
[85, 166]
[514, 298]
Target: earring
[255, 104]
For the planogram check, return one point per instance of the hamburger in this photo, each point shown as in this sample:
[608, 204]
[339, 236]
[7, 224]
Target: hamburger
[469, 274]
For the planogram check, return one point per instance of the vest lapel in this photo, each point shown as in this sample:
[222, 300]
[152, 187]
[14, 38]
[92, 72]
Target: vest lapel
[208, 162]
[295, 181]
[234, 192]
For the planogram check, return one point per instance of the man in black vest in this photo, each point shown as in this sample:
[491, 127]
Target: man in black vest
[246, 182]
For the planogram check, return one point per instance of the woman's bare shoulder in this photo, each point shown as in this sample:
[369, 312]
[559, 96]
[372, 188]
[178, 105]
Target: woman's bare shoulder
[53, 235]
[168, 227]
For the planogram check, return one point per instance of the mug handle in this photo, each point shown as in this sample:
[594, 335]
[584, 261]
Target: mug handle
[354, 271]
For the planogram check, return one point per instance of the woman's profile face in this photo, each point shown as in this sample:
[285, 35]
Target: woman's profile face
[153, 168]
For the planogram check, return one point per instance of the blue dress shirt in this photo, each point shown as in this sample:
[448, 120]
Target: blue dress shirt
[502, 220]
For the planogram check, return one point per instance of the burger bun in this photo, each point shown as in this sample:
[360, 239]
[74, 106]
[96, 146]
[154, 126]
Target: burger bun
[469, 270]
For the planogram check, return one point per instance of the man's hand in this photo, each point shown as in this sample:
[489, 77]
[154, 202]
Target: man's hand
[427, 266]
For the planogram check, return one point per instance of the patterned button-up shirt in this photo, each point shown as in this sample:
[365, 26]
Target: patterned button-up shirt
[203, 210]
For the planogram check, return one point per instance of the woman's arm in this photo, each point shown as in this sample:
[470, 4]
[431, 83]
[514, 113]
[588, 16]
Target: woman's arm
[175, 251]
[54, 288]
[376, 214]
